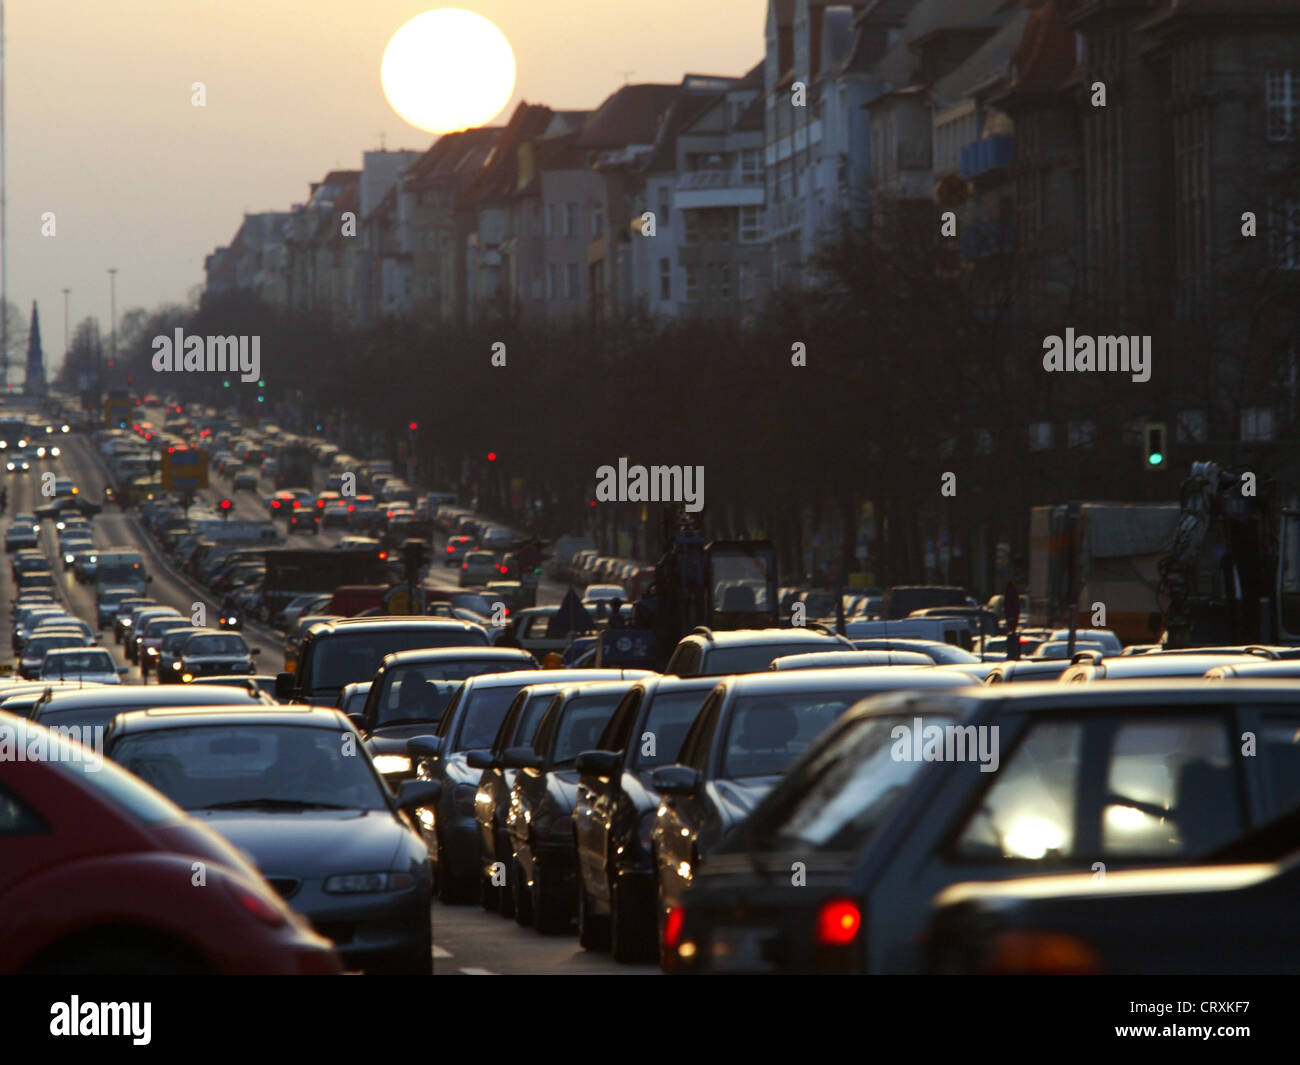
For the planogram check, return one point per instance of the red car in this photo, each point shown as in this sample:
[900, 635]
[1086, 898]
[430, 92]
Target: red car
[100, 874]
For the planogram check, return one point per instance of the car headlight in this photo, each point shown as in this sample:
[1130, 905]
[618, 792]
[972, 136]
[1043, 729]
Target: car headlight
[9, 466]
[151, 650]
[367, 883]
[54, 451]
[186, 677]
[176, 665]
[392, 763]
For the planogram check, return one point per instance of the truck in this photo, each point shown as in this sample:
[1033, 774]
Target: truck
[291, 572]
[294, 464]
[1220, 566]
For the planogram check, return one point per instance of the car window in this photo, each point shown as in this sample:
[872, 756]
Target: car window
[765, 733]
[1028, 812]
[1279, 750]
[756, 657]
[848, 788]
[537, 627]
[670, 719]
[421, 693]
[614, 738]
[530, 716]
[584, 719]
[1171, 790]
[699, 739]
[347, 657]
[482, 717]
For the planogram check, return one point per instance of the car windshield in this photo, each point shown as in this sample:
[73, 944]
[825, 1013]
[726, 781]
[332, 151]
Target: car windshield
[754, 658]
[847, 789]
[671, 715]
[38, 645]
[61, 662]
[585, 718]
[768, 732]
[174, 640]
[482, 717]
[216, 645]
[347, 657]
[263, 766]
[421, 693]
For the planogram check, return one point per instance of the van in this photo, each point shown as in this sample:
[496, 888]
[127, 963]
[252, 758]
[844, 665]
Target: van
[953, 630]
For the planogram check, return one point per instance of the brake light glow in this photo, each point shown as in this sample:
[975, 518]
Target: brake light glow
[838, 922]
[673, 927]
[1044, 953]
[254, 904]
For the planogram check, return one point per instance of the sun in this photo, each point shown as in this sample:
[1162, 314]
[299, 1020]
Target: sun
[448, 70]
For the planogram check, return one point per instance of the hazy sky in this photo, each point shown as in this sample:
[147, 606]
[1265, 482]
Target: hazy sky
[101, 130]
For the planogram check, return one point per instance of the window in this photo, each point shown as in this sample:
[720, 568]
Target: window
[1279, 748]
[552, 282]
[571, 281]
[665, 279]
[1028, 813]
[1171, 790]
[1280, 92]
[1284, 235]
[724, 223]
[745, 280]
[751, 167]
[1191, 427]
[692, 225]
[1080, 434]
[570, 219]
[692, 283]
[595, 221]
[1257, 423]
[663, 208]
[724, 281]
[550, 219]
[1040, 436]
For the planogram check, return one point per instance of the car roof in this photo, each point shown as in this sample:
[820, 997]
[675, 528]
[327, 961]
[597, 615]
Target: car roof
[128, 694]
[552, 676]
[749, 637]
[448, 654]
[383, 623]
[156, 719]
[1118, 667]
[883, 678]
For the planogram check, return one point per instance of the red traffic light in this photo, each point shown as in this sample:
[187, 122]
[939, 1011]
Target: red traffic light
[226, 504]
[413, 426]
[492, 456]
[383, 555]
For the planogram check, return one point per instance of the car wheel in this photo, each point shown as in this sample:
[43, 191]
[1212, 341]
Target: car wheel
[549, 914]
[522, 898]
[593, 929]
[631, 938]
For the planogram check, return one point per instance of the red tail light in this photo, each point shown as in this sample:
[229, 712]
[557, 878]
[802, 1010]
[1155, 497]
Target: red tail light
[320, 504]
[838, 922]
[255, 904]
[673, 927]
[351, 507]
[450, 550]
[275, 504]
[464, 565]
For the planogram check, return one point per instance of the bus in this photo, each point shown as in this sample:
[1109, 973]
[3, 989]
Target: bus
[120, 568]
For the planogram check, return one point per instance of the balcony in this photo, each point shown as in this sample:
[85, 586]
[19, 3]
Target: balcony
[979, 240]
[983, 156]
[699, 189]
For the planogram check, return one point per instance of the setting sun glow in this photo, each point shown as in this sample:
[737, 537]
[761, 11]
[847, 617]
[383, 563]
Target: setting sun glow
[448, 70]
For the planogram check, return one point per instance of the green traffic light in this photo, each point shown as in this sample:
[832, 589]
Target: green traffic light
[1155, 458]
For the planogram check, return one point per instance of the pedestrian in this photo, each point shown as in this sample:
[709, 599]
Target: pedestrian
[615, 613]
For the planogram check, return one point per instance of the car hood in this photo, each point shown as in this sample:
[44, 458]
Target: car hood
[310, 843]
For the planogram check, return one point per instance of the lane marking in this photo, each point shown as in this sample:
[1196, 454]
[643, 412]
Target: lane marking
[438, 952]
[478, 972]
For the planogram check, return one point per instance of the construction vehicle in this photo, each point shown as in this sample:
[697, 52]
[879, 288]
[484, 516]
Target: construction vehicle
[1219, 567]
[719, 584]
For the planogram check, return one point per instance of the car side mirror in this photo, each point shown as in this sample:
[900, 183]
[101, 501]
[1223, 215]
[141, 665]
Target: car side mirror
[676, 780]
[424, 747]
[253, 652]
[414, 794]
[284, 686]
[479, 759]
[599, 763]
[521, 758]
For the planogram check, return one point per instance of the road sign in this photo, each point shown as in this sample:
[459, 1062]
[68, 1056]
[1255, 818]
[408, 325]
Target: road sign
[184, 470]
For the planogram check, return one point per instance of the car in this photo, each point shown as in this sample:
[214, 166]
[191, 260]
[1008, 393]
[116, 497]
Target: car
[1127, 667]
[314, 815]
[169, 644]
[595, 592]
[469, 723]
[352, 698]
[943, 654]
[151, 638]
[302, 606]
[244, 480]
[1109, 642]
[543, 874]
[20, 535]
[207, 653]
[1255, 670]
[478, 567]
[71, 817]
[19, 461]
[343, 651]
[28, 558]
[492, 797]
[28, 617]
[1052, 649]
[33, 653]
[67, 621]
[336, 512]
[140, 622]
[305, 520]
[614, 813]
[708, 653]
[1129, 773]
[35, 578]
[457, 548]
[944, 629]
[412, 689]
[91, 664]
[127, 612]
[1027, 669]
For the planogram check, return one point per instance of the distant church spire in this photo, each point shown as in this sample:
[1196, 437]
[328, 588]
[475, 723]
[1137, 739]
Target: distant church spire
[35, 359]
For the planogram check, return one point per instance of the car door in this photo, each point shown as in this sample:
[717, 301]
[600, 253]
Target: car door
[680, 816]
[594, 809]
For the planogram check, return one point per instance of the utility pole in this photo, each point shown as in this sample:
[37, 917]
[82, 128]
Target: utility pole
[66, 345]
[112, 316]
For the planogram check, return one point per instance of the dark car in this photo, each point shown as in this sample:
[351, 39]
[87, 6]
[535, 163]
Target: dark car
[411, 690]
[95, 708]
[748, 732]
[615, 813]
[469, 723]
[338, 652]
[492, 797]
[172, 641]
[311, 810]
[544, 863]
[1027, 669]
[707, 653]
[1076, 778]
[72, 820]
[902, 599]
[207, 653]
[942, 654]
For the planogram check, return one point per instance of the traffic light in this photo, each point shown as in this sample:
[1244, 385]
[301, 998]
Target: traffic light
[414, 556]
[225, 505]
[492, 456]
[1153, 436]
[414, 426]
